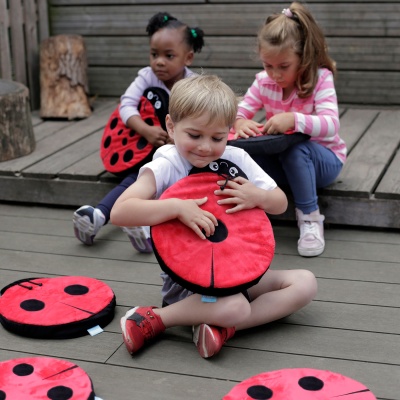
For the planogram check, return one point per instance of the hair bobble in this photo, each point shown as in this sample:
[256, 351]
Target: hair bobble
[165, 19]
[194, 33]
[287, 12]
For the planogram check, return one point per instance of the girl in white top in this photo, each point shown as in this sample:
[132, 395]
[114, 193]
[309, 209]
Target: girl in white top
[201, 112]
[172, 48]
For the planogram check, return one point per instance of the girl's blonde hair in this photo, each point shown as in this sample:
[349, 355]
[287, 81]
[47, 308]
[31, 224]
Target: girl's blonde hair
[296, 28]
[192, 97]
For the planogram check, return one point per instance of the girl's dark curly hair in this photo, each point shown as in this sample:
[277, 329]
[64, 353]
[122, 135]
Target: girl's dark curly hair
[194, 37]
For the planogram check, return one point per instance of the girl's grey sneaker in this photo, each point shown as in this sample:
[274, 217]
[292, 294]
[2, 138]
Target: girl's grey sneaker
[87, 222]
[140, 238]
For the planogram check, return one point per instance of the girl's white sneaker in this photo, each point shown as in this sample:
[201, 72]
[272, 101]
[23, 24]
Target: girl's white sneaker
[311, 242]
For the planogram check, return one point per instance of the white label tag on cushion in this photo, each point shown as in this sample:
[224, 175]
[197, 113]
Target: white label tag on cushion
[95, 330]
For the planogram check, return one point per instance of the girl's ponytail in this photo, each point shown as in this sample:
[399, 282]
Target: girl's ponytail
[195, 37]
[158, 21]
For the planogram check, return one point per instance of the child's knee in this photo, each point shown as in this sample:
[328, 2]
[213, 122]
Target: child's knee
[236, 310]
[308, 285]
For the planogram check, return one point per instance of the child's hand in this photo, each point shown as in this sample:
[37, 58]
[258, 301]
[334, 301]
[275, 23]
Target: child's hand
[197, 219]
[247, 127]
[239, 192]
[279, 123]
[155, 135]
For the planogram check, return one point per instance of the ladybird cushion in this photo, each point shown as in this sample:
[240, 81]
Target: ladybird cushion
[57, 308]
[44, 378]
[122, 149]
[234, 258]
[299, 384]
[268, 144]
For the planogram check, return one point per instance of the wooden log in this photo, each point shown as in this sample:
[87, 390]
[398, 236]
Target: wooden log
[63, 78]
[16, 130]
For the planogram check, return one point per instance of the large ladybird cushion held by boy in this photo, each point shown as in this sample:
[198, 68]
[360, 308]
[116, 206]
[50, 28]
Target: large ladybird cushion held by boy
[222, 264]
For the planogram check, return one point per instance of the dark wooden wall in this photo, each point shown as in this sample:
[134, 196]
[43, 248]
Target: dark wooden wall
[23, 25]
[363, 37]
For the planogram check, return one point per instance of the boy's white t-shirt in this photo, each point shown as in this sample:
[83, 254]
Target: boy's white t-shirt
[169, 167]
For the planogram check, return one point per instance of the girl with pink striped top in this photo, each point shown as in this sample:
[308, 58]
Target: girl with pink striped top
[298, 94]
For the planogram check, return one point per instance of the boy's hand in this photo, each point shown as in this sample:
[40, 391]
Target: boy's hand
[197, 219]
[155, 135]
[247, 127]
[239, 192]
[279, 123]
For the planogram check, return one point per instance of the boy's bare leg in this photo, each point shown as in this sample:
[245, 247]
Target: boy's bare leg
[278, 294]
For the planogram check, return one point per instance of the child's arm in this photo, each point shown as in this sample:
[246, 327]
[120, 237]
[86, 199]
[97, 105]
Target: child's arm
[244, 125]
[129, 112]
[324, 121]
[243, 194]
[155, 135]
[135, 207]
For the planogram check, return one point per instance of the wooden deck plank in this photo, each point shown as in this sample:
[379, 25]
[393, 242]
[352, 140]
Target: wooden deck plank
[90, 168]
[389, 187]
[383, 86]
[363, 53]
[120, 251]
[368, 20]
[370, 159]
[53, 191]
[48, 128]
[51, 166]
[353, 124]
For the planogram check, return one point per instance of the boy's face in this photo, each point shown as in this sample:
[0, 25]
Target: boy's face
[198, 140]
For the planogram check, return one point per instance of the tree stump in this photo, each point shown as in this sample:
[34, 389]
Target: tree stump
[16, 130]
[63, 79]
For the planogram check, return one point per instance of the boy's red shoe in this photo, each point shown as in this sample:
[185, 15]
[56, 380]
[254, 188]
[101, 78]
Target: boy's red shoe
[209, 339]
[139, 326]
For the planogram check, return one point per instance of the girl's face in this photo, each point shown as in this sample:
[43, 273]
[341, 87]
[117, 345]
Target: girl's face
[169, 55]
[282, 66]
[197, 139]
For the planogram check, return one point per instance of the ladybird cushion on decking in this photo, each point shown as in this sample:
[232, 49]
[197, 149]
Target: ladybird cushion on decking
[300, 384]
[44, 378]
[58, 308]
[231, 260]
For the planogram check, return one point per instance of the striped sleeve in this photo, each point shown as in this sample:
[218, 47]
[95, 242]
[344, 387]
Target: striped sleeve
[251, 102]
[324, 121]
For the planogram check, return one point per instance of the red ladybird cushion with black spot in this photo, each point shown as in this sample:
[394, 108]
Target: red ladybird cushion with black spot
[43, 378]
[228, 262]
[57, 308]
[122, 148]
[299, 384]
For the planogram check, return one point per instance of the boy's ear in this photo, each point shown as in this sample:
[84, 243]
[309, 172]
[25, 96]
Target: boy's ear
[170, 126]
[189, 58]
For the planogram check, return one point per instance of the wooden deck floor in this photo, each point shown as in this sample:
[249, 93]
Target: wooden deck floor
[65, 168]
[352, 327]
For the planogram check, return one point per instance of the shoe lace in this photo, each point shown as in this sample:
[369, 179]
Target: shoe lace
[309, 228]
